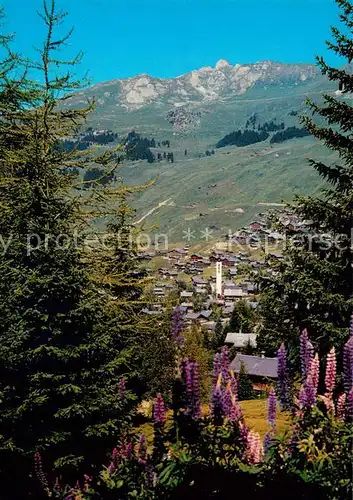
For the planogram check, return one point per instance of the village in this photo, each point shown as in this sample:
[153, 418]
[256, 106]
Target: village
[209, 283]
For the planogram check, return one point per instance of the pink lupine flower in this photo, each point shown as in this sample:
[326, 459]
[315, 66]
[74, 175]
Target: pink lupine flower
[122, 388]
[255, 450]
[314, 372]
[159, 410]
[348, 364]
[330, 377]
[328, 402]
[38, 467]
[341, 406]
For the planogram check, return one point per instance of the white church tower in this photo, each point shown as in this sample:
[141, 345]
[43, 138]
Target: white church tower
[218, 279]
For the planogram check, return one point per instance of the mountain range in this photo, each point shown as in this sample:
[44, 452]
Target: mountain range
[194, 111]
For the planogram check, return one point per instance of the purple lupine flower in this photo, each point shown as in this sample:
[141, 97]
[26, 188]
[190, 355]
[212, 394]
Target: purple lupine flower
[217, 397]
[234, 384]
[216, 368]
[122, 388]
[351, 327]
[314, 372]
[150, 477]
[129, 451]
[226, 401]
[191, 377]
[330, 376]
[306, 352]
[307, 395]
[142, 450]
[225, 364]
[348, 365]
[349, 406]
[267, 440]
[272, 406]
[196, 406]
[159, 410]
[177, 325]
[283, 388]
[38, 467]
[235, 413]
[244, 432]
[189, 374]
[341, 406]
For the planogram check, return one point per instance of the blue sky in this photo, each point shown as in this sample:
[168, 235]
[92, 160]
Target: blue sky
[167, 38]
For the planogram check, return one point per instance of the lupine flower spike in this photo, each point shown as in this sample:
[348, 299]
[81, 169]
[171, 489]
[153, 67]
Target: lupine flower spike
[272, 404]
[254, 448]
[122, 388]
[177, 325]
[38, 467]
[142, 450]
[283, 388]
[159, 410]
[349, 406]
[314, 372]
[306, 352]
[330, 376]
[348, 365]
[341, 407]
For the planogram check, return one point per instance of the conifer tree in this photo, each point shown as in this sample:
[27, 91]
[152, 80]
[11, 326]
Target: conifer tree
[61, 361]
[313, 286]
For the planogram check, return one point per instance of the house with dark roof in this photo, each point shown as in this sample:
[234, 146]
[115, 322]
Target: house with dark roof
[256, 366]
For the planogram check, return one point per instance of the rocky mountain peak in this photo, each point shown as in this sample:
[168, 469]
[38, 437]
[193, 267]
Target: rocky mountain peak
[222, 63]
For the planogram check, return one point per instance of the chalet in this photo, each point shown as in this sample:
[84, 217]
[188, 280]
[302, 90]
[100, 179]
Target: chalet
[277, 256]
[201, 317]
[204, 316]
[159, 291]
[191, 317]
[210, 326]
[255, 226]
[241, 340]
[233, 272]
[255, 366]
[232, 291]
[196, 257]
[227, 310]
[199, 282]
[188, 306]
[230, 261]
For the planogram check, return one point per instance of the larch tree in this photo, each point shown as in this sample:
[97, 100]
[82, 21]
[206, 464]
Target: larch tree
[61, 359]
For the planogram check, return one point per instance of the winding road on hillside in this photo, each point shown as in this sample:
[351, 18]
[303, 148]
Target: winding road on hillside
[150, 212]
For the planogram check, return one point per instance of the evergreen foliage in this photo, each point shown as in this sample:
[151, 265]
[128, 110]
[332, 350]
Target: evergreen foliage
[245, 387]
[312, 287]
[242, 138]
[242, 318]
[63, 347]
[289, 133]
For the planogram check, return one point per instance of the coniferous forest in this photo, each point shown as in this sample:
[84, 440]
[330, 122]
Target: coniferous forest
[100, 401]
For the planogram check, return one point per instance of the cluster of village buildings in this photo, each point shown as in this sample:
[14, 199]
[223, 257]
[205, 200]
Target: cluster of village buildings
[221, 278]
